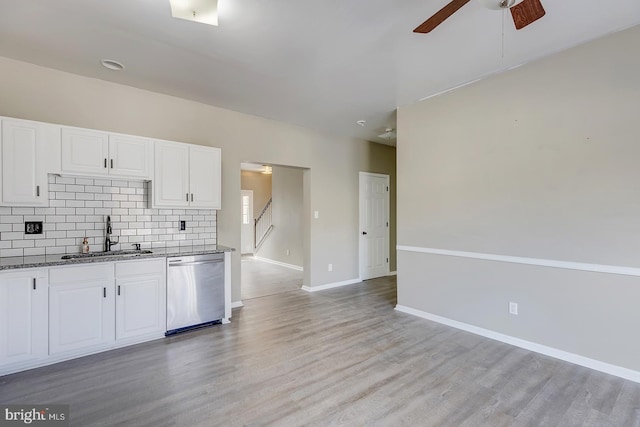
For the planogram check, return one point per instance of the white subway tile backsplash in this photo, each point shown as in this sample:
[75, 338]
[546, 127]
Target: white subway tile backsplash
[10, 219]
[78, 208]
[65, 226]
[33, 251]
[74, 188]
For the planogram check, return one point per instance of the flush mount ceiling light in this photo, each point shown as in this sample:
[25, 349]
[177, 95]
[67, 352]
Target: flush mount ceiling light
[112, 65]
[361, 122]
[268, 170]
[203, 11]
[388, 134]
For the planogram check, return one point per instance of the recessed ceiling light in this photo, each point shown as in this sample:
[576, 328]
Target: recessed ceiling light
[361, 122]
[112, 65]
[203, 11]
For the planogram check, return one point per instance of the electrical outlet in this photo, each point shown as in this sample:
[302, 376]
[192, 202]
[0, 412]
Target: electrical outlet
[330, 267]
[513, 308]
[183, 225]
[288, 252]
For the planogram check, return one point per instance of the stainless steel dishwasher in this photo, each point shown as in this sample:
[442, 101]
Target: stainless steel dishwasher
[195, 291]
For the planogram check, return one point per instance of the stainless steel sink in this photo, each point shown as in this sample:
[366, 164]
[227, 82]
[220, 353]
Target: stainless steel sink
[107, 254]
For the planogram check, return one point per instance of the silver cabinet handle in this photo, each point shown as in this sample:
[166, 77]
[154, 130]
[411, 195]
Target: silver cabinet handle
[192, 197]
[187, 197]
[118, 289]
[34, 283]
[111, 163]
[104, 292]
[105, 163]
[37, 191]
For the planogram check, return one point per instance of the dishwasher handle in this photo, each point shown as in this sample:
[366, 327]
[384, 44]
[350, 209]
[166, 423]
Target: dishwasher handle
[179, 263]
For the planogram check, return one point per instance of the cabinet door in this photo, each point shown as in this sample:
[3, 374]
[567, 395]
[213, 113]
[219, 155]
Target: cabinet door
[85, 151]
[81, 315]
[24, 176]
[139, 306]
[205, 177]
[129, 156]
[171, 175]
[23, 316]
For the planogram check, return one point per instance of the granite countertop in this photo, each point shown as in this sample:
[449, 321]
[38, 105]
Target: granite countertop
[9, 263]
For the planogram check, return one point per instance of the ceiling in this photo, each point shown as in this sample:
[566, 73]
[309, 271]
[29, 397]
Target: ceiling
[322, 65]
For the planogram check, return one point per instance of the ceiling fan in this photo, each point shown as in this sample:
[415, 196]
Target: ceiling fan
[524, 12]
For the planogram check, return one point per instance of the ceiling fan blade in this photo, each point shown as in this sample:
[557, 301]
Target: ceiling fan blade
[440, 16]
[527, 12]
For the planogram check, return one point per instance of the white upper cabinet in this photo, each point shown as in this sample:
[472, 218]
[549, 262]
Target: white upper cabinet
[187, 176]
[130, 156]
[171, 174]
[204, 177]
[90, 152]
[25, 149]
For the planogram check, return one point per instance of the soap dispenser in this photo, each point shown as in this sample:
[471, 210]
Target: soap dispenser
[85, 246]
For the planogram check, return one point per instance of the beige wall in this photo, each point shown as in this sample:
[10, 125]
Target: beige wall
[260, 184]
[287, 218]
[540, 162]
[331, 184]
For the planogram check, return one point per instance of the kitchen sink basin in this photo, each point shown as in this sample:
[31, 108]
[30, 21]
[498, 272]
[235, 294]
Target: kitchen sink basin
[108, 254]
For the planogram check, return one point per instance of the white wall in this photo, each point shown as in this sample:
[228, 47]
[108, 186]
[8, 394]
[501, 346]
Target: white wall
[331, 183]
[260, 184]
[539, 162]
[287, 218]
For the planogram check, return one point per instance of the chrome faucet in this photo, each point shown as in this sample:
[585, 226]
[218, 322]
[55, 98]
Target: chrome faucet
[107, 241]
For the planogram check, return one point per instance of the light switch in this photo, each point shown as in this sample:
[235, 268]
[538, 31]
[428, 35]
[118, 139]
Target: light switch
[316, 214]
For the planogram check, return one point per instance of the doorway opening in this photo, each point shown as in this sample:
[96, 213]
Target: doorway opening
[273, 229]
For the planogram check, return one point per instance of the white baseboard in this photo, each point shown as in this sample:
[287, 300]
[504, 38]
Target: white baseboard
[330, 285]
[282, 264]
[392, 273]
[597, 365]
[236, 304]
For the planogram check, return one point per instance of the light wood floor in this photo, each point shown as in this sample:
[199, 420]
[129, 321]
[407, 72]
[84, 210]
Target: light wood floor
[338, 357]
[260, 278]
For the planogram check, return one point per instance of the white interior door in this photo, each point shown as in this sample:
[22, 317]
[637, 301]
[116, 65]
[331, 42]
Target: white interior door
[374, 225]
[247, 233]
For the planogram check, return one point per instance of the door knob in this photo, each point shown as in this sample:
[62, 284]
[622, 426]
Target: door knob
[364, 232]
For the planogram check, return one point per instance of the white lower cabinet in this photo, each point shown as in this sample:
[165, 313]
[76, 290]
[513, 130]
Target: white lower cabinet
[140, 298]
[81, 307]
[59, 313]
[94, 306]
[23, 316]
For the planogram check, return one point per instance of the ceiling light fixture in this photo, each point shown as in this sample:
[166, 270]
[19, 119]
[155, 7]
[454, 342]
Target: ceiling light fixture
[499, 4]
[203, 11]
[361, 122]
[112, 65]
[268, 170]
[388, 134]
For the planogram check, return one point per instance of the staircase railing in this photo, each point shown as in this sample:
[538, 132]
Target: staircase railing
[263, 224]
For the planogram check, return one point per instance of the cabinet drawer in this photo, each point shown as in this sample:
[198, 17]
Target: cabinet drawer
[138, 267]
[81, 273]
